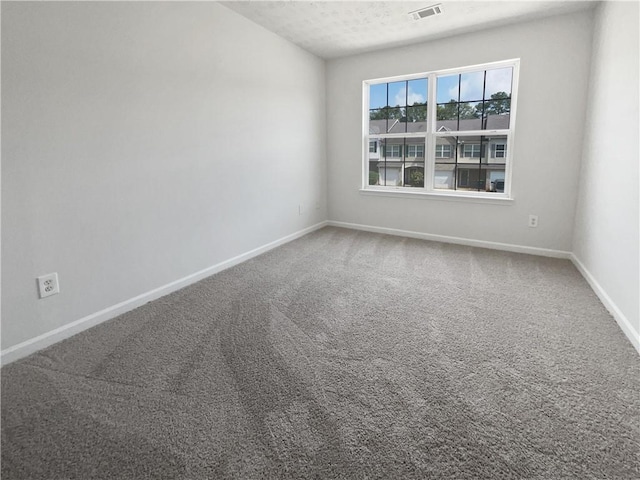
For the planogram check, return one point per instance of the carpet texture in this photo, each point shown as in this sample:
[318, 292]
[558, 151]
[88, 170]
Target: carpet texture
[342, 354]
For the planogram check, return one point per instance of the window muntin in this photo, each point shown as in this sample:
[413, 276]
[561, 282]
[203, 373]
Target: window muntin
[465, 120]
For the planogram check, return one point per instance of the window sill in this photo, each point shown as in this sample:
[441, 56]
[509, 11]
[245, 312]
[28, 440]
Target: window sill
[494, 199]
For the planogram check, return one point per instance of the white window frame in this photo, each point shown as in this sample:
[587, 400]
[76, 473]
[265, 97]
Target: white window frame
[393, 146]
[444, 147]
[419, 151]
[475, 148]
[502, 151]
[431, 134]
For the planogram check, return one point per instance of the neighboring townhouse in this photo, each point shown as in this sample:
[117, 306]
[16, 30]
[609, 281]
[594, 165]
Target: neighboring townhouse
[461, 163]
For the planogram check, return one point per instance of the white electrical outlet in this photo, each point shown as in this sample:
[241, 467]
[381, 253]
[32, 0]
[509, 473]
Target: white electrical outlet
[533, 221]
[300, 209]
[48, 285]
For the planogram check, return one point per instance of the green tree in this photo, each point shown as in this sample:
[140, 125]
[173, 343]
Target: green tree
[378, 114]
[416, 113]
[467, 111]
[499, 104]
[451, 110]
[448, 111]
[416, 178]
[383, 113]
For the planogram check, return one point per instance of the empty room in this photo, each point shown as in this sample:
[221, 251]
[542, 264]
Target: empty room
[329, 240]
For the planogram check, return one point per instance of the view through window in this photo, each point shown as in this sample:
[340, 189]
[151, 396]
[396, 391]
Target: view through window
[447, 131]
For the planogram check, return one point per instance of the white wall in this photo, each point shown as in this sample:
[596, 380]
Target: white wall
[143, 142]
[606, 238]
[555, 54]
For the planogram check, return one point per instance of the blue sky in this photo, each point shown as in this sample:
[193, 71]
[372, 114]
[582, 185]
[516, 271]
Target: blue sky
[398, 93]
[470, 85]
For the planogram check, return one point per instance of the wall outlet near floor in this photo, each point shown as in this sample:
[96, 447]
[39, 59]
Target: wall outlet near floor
[533, 221]
[48, 285]
[300, 209]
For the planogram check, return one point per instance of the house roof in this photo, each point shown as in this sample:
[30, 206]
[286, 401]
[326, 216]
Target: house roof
[493, 122]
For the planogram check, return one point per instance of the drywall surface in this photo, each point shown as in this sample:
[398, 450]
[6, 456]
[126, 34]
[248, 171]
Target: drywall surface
[606, 239]
[143, 142]
[555, 55]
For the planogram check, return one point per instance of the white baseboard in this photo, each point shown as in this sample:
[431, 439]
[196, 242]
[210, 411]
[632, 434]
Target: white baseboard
[620, 318]
[42, 341]
[32, 345]
[545, 252]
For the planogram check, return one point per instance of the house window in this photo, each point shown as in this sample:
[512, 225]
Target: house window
[471, 150]
[394, 151]
[373, 147]
[414, 151]
[443, 151]
[457, 122]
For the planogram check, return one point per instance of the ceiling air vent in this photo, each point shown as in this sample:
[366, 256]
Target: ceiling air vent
[426, 12]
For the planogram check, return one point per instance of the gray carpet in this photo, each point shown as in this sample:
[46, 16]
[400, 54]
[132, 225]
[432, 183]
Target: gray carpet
[342, 354]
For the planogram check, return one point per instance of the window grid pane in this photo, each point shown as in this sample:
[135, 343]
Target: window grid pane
[400, 162]
[475, 163]
[468, 102]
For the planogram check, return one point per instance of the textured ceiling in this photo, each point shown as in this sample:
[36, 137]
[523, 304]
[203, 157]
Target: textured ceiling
[333, 29]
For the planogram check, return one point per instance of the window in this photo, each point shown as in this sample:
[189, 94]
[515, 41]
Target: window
[373, 147]
[454, 128]
[415, 151]
[393, 151]
[443, 151]
[471, 150]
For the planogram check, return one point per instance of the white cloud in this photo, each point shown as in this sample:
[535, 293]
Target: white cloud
[468, 89]
[453, 92]
[498, 80]
[412, 98]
